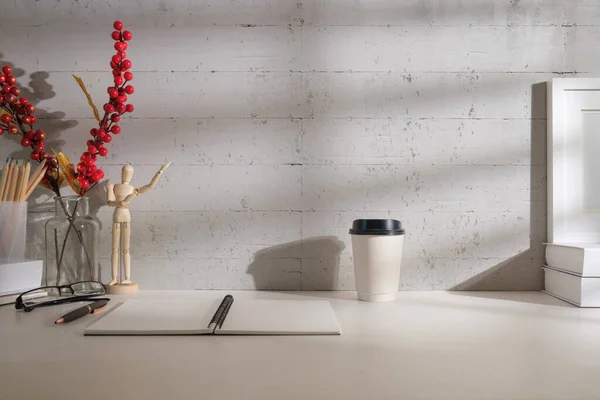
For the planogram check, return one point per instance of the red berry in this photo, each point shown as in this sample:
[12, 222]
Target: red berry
[24, 101]
[84, 183]
[129, 108]
[125, 46]
[30, 108]
[7, 70]
[40, 135]
[39, 147]
[116, 129]
[126, 64]
[90, 161]
[122, 98]
[6, 89]
[122, 54]
[92, 149]
[93, 132]
[103, 152]
[2, 79]
[107, 138]
[121, 108]
[116, 72]
[90, 143]
[1, 97]
[112, 93]
[33, 119]
[129, 89]
[13, 129]
[15, 90]
[115, 118]
[30, 135]
[116, 35]
[116, 59]
[91, 169]
[98, 175]
[25, 142]
[127, 35]
[81, 168]
[128, 76]
[118, 25]
[12, 99]
[101, 134]
[45, 155]
[85, 156]
[45, 180]
[11, 80]
[26, 120]
[118, 80]
[1, 130]
[120, 46]
[35, 156]
[113, 64]
[109, 108]
[5, 118]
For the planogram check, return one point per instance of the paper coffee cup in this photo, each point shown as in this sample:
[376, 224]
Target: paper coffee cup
[377, 250]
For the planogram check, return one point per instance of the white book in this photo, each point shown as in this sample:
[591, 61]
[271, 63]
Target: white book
[19, 277]
[224, 316]
[580, 259]
[582, 292]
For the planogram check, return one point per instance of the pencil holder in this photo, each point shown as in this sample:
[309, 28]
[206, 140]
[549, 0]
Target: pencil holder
[13, 223]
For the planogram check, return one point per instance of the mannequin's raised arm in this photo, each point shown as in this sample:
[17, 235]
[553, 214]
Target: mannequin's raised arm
[152, 183]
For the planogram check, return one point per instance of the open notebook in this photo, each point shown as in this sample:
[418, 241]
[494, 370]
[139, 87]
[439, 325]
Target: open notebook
[222, 316]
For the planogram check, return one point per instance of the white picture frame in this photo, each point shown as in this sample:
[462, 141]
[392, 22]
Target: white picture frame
[573, 132]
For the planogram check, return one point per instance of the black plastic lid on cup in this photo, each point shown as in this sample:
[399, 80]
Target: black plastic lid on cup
[376, 227]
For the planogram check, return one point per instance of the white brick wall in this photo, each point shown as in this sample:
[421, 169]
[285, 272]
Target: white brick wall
[288, 119]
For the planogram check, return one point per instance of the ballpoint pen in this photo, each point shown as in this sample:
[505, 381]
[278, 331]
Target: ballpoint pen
[93, 308]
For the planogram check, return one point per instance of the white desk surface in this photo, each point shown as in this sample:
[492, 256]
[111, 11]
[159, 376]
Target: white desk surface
[426, 345]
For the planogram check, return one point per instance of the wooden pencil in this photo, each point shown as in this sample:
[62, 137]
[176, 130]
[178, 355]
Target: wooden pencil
[34, 183]
[25, 182]
[14, 176]
[3, 176]
[35, 175]
[20, 176]
[11, 165]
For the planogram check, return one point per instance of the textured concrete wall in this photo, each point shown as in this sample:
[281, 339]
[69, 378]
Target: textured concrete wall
[287, 119]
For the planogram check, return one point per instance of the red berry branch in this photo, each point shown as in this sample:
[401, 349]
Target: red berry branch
[87, 173]
[17, 118]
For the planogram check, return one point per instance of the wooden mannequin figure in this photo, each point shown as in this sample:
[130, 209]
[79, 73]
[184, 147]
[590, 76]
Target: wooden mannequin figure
[119, 196]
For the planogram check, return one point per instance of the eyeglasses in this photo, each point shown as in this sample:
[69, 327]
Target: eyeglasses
[51, 295]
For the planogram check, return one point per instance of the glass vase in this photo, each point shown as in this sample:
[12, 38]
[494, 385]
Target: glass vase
[71, 243]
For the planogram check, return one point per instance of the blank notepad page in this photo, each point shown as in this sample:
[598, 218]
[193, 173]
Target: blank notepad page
[280, 317]
[137, 317]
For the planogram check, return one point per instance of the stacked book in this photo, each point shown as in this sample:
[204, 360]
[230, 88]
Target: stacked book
[572, 273]
[19, 277]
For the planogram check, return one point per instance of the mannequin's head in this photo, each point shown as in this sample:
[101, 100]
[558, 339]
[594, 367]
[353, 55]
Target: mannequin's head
[127, 173]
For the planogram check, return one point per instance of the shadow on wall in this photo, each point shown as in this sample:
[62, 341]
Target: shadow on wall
[526, 264]
[312, 262]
